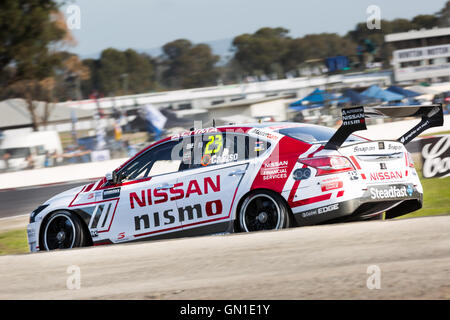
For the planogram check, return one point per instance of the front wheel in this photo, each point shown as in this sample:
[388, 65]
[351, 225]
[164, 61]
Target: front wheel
[63, 230]
[263, 210]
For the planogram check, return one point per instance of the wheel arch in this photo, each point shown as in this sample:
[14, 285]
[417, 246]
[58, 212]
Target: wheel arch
[243, 197]
[50, 213]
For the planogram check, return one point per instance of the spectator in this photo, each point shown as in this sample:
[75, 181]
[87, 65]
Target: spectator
[6, 158]
[30, 161]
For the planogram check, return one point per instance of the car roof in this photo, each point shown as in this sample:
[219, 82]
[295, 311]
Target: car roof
[273, 126]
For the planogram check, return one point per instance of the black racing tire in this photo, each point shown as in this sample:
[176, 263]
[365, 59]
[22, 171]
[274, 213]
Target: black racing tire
[63, 230]
[263, 210]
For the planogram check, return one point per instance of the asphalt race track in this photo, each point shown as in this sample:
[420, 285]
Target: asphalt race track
[24, 200]
[320, 262]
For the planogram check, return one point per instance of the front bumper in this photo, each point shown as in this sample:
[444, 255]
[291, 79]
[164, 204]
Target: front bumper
[32, 235]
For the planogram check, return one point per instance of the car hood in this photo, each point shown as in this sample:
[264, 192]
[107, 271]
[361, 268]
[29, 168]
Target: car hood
[68, 193]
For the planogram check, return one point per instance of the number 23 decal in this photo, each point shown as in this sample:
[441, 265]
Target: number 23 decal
[216, 141]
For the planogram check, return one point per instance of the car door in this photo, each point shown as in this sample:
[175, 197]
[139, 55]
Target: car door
[147, 207]
[217, 167]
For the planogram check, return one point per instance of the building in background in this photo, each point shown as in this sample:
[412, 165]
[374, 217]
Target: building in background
[421, 55]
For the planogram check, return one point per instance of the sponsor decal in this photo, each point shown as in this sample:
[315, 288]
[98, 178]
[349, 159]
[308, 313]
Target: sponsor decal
[264, 134]
[169, 217]
[194, 132]
[276, 164]
[274, 170]
[391, 192]
[394, 147]
[111, 193]
[353, 175]
[387, 175]
[353, 117]
[147, 197]
[259, 146]
[436, 156]
[331, 185]
[363, 149]
[321, 210]
[383, 166]
[381, 145]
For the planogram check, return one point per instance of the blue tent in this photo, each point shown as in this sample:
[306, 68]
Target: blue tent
[317, 98]
[384, 95]
[356, 98]
[405, 92]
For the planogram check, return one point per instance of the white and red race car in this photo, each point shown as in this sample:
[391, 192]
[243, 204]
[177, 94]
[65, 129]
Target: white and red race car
[241, 179]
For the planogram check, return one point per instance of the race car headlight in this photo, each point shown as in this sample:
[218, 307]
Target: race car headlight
[36, 212]
[328, 164]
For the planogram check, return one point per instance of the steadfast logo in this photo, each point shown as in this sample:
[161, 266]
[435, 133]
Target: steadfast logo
[392, 192]
[155, 196]
[379, 176]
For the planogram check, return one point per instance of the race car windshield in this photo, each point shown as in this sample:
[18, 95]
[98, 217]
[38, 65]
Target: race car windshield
[315, 134]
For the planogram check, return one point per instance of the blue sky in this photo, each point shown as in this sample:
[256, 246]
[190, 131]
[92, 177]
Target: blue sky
[146, 24]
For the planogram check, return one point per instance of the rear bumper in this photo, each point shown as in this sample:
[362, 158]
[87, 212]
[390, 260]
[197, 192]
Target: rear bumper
[394, 199]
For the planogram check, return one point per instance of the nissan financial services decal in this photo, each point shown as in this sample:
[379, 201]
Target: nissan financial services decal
[435, 156]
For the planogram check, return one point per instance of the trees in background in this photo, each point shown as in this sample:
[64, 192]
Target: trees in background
[186, 65]
[119, 73]
[263, 51]
[30, 31]
[35, 66]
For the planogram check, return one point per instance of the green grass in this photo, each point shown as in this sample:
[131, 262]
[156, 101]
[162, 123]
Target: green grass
[436, 198]
[436, 202]
[13, 242]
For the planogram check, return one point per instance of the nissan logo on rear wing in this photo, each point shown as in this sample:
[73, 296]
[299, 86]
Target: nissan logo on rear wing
[353, 119]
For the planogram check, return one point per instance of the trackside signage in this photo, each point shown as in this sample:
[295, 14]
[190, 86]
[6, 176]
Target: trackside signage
[435, 153]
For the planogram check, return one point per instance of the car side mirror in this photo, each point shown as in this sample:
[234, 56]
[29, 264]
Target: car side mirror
[111, 177]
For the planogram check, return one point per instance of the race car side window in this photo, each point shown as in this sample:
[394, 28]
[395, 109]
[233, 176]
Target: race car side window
[219, 148]
[156, 161]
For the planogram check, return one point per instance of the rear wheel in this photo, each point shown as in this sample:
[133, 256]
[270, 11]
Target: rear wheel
[63, 230]
[263, 210]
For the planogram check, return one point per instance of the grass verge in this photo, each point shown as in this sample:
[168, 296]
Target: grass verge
[13, 242]
[436, 198]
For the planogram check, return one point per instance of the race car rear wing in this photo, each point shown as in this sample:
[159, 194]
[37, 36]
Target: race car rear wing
[354, 119]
